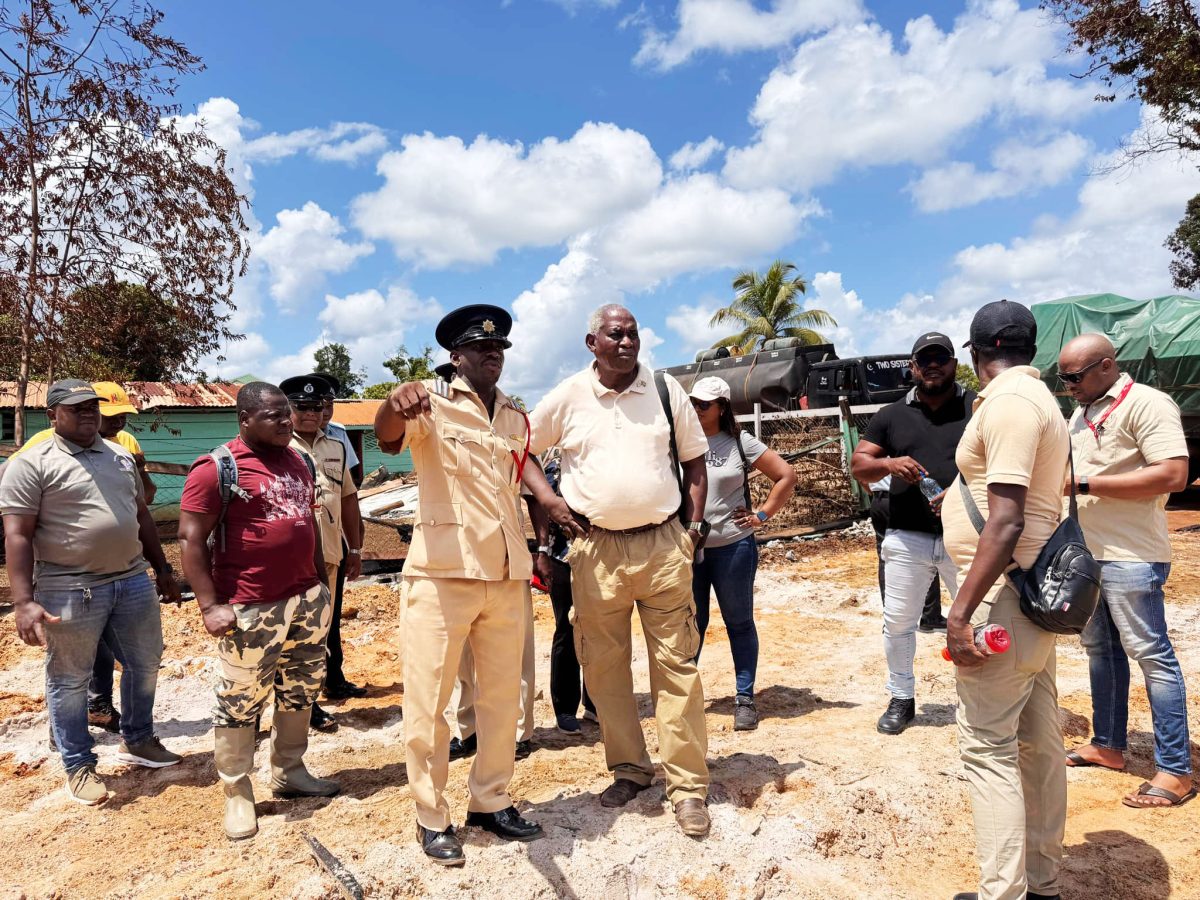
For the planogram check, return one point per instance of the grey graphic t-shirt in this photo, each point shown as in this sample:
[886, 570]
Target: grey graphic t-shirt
[725, 479]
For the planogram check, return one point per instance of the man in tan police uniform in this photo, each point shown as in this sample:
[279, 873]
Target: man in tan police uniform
[1012, 458]
[619, 477]
[466, 573]
[337, 495]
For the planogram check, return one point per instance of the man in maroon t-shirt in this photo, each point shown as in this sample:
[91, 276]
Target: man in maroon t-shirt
[260, 596]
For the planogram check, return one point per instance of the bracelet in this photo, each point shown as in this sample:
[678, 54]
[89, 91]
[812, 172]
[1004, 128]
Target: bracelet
[354, 551]
[543, 548]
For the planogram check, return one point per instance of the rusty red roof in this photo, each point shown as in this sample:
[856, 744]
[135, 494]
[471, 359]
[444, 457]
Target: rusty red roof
[145, 395]
[355, 413]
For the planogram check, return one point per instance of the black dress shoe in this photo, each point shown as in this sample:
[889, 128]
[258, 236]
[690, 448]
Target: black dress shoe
[524, 748]
[464, 748]
[967, 895]
[506, 824]
[928, 626]
[442, 847]
[322, 721]
[344, 690]
[899, 714]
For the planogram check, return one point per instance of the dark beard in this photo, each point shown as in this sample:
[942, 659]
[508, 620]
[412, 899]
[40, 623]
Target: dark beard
[944, 388]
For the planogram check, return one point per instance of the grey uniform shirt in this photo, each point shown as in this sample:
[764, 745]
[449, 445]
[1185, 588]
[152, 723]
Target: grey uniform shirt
[86, 503]
[726, 478]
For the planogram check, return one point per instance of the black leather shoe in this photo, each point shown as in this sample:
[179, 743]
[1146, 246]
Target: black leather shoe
[899, 714]
[442, 847]
[967, 895]
[464, 748]
[343, 690]
[524, 748]
[929, 626]
[506, 824]
[322, 721]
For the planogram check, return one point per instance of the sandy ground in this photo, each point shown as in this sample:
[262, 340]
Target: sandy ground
[815, 803]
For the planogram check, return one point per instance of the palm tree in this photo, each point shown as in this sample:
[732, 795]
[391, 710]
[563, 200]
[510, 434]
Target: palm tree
[767, 308]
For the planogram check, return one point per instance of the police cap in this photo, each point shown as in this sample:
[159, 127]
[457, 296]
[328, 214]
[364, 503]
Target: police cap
[306, 388]
[334, 385]
[478, 322]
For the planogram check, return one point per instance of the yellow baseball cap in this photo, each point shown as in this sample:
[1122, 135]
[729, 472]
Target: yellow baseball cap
[113, 399]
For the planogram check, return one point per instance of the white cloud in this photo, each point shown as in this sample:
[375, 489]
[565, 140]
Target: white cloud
[850, 99]
[244, 357]
[1017, 168]
[302, 248]
[574, 6]
[693, 224]
[690, 323]
[694, 156]
[346, 142]
[733, 26]
[444, 201]
[370, 312]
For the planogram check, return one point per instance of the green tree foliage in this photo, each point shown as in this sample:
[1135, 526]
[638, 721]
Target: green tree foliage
[411, 368]
[966, 376]
[379, 391]
[767, 307]
[334, 359]
[1148, 50]
[99, 180]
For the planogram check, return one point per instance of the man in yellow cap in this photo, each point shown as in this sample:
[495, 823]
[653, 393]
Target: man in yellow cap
[115, 409]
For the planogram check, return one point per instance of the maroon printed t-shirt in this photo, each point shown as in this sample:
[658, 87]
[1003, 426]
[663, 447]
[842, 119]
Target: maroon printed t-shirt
[269, 538]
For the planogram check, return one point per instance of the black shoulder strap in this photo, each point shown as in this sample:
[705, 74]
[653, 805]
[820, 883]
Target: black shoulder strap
[976, 516]
[737, 439]
[664, 395]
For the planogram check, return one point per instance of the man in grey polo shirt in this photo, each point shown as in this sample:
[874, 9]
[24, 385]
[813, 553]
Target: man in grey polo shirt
[77, 536]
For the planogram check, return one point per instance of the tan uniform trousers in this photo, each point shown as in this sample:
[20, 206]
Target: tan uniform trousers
[442, 615]
[1012, 750]
[611, 574]
[467, 685]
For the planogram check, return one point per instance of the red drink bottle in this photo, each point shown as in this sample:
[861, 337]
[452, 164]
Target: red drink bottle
[989, 639]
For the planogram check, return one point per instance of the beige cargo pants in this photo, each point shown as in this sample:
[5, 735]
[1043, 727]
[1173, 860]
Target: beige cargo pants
[611, 575]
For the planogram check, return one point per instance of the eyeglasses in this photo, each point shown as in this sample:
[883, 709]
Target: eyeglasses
[924, 361]
[702, 405]
[1076, 377]
[307, 407]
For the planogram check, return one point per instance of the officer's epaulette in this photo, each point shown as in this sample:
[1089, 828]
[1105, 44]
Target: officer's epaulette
[439, 387]
[514, 403]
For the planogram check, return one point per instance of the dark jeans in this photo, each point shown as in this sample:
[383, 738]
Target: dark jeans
[333, 647]
[730, 572]
[100, 688]
[566, 683]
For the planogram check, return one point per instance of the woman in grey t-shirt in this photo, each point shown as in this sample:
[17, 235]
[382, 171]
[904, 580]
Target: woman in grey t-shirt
[730, 558]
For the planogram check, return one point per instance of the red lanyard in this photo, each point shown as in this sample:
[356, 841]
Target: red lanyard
[1098, 426]
[524, 457]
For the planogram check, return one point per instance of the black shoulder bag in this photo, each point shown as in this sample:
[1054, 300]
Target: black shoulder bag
[664, 396]
[1060, 591]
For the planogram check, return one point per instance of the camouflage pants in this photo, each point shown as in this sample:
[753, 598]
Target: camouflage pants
[276, 645]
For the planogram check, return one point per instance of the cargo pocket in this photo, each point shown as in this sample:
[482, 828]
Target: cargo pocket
[691, 637]
[579, 640]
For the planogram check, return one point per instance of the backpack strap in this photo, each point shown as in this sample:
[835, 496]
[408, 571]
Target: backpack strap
[664, 395]
[737, 440]
[227, 485]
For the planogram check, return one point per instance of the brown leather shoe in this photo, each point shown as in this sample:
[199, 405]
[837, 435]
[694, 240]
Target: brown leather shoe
[621, 792]
[692, 816]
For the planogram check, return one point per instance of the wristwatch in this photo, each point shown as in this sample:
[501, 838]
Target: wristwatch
[543, 548]
[355, 551]
[762, 516]
[696, 526]
[1084, 487]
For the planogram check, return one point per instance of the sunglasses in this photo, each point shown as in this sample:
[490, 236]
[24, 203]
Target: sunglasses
[1076, 377]
[924, 361]
[703, 405]
[307, 407]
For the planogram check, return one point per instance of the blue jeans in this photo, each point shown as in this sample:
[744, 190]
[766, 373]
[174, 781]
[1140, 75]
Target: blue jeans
[730, 572]
[125, 613]
[1130, 623]
[101, 685]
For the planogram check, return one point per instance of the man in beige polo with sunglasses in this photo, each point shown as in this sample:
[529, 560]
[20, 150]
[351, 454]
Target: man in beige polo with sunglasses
[619, 479]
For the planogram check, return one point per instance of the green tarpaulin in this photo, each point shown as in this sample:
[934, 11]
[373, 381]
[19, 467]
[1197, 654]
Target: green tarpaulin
[1157, 340]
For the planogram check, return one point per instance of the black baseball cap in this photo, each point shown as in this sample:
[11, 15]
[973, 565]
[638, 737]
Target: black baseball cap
[1003, 323]
[70, 391]
[933, 339]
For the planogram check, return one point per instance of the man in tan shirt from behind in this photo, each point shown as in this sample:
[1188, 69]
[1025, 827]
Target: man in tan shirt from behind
[619, 478]
[1012, 458]
[1130, 453]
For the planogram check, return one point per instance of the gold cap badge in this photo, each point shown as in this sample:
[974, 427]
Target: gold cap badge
[489, 326]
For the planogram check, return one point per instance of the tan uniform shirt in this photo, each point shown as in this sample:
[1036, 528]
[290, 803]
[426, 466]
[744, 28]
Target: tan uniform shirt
[1017, 435]
[616, 452]
[86, 503]
[468, 523]
[1144, 429]
[333, 483]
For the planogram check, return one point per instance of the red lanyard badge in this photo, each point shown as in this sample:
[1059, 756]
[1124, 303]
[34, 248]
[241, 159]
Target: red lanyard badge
[524, 457]
[1097, 427]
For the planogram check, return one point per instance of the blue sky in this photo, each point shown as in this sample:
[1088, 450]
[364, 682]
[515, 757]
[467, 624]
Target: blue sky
[913, 160]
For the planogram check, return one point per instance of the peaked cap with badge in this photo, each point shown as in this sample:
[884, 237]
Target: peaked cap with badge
[478, 322]
[312, 388]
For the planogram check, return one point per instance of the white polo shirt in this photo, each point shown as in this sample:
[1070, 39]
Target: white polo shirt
[616, 452]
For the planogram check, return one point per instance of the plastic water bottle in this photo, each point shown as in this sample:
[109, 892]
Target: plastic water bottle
[929, 487]
[989, 639]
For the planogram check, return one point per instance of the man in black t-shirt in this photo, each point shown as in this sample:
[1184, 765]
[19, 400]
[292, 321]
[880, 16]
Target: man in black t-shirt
[913, 440]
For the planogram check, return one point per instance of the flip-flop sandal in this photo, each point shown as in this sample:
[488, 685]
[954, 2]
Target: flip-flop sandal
[1075, 761]
[1149, 790]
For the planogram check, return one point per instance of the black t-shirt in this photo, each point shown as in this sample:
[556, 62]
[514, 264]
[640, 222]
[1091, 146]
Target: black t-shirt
[928, 436]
